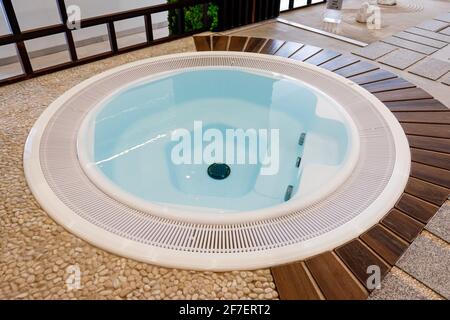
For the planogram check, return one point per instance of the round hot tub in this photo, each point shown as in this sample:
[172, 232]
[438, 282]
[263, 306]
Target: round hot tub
[217, 145]
[217, 161]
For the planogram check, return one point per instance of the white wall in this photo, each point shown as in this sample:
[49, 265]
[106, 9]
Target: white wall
[39, 13]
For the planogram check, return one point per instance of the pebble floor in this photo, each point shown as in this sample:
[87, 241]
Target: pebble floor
[36, 253]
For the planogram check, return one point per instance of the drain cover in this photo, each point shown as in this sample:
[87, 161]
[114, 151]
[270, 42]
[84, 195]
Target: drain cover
[219, 171]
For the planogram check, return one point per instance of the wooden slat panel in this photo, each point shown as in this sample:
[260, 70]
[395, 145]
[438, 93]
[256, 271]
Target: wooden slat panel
[288, 49]
[442, 117]
[306, 52]
[220, 43]
[203, 43]
[416, 208]
[431, 174]
[272, 46]
[323, 57]
[372, 76]
[384, 243]
[333, 279]
[403, 94]
[255, 44]
[340, 62]
[425, 129]
[427, 191]
[293, 283]
[356, 69]
[402, 224]
[416, 105]
[237, 43]
[436, 159]
[388, 85]
[357, 258]
[429, 143]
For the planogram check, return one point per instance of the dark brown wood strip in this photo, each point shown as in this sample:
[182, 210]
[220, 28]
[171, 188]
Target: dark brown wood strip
[202, 43]
[416, 208]
[220, 43]
[372, 76]
[403, 94]
[425, 129]
[306, 52]
[402, 224]
[427, 191]
[288, 49]
[358, 258]
[237, 43]
[255, 44]
[356, 69]
[333, 279]
[431, 174]
[429, 143]
[416, 105]
[388, 85]
[435, 159]
[271, 46]
[339, 62]
[384, 243]
[439, 117]
[293, 282]
[323, 57]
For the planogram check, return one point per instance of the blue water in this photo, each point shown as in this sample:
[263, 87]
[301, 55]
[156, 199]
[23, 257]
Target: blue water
[133, 146]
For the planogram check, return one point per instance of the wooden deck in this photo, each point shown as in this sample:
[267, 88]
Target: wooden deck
[342, 273]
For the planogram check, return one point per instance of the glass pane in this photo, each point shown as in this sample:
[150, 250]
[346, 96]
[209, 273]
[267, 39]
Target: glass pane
[9, 62]
[160, 25]
[284, 5]
[317, 1]
[4, 27]
[91, 41]
[48, 51]
[91, 8]
[300, 3]
[130, 32]
[36, 14]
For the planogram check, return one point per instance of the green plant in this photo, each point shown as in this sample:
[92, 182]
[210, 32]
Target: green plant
[194, 18]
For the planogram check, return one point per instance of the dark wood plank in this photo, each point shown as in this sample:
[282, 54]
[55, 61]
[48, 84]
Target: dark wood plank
[402, 224]
[272, 46]
[416, 208]
[288, 49]
[220, 43]
[435, 159]
[425, 129]
[427, 191]
[429, 143]
[372, 76]
[333, 279]
[403, 94]
[254, 44]
[323, 57]
[340, 62]
[431, 174]
[384, 243]
[439, 117]
[416, 105]
[388, 85]
[306, 52]
[202, 43]
[356, 69]
[293, 282]
[237, 43]
[358, 258]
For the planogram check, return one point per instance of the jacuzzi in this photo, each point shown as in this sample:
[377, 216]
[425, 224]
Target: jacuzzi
[217, 161]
